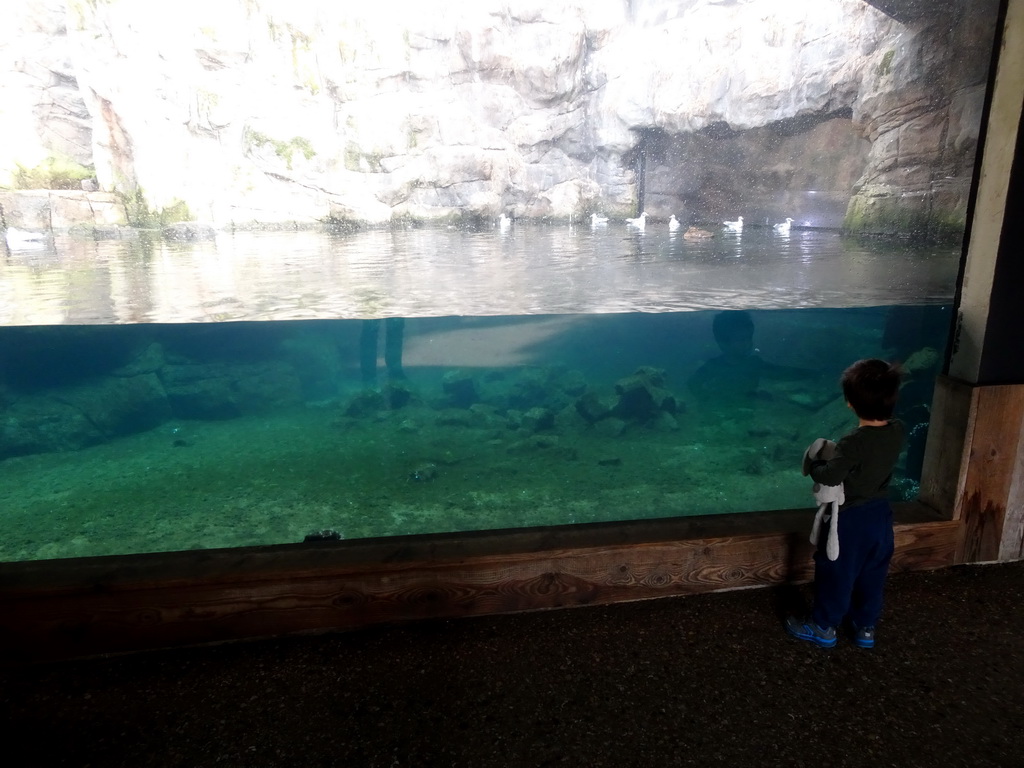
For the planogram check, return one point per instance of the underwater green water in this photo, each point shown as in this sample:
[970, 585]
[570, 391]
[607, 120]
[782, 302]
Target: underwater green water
[154, 437]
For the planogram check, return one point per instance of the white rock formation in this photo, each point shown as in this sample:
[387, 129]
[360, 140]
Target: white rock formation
[241, 112]
[42, 113]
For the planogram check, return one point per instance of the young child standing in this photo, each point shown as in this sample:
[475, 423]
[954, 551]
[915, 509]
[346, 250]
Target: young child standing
[850, 587]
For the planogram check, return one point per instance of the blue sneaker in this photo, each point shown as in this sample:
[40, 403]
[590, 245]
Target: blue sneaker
[863, 637]
[824, 637]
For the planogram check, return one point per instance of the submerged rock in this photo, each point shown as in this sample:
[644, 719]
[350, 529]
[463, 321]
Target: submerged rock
[42, 424]
[398, 394]
[537, 443]
[225, 390]
[365, 403]
[592, 408]
[531, 387]
[665, 422]
[610, 427]
[120, 405]
[79, 415]
[149, 360]
[460, 388]
[538, 419]
[642, 397]
[424, 473]
[546, 387]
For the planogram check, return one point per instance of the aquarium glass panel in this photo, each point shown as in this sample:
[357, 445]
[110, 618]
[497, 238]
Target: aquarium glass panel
[281, 271]
[167, 437]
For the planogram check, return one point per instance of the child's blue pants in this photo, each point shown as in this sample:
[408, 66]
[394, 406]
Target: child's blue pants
[852, 585]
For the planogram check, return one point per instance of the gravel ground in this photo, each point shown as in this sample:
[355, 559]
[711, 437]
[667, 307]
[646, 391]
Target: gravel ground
[710, 680]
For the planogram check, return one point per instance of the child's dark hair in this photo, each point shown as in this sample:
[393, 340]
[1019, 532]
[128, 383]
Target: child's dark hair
[871, 387]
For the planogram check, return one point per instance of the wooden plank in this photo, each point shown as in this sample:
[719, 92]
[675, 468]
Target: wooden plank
[925, 546]
[242, 563]
[1011, 547]
[73, 621]
[994, 441]
[946, 451]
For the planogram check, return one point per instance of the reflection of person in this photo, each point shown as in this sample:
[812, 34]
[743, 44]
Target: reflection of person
[851, 586]
[736, 374]
[908, 333]
[914, 409]
[394, 330]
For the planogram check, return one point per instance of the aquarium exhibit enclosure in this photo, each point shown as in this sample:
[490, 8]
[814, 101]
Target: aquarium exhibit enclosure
[312, 320]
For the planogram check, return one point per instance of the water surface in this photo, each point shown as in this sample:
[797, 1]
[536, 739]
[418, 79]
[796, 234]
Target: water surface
[429, 272]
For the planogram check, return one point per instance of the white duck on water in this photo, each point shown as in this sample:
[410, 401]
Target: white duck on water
[734, 226]
[504, 222]
[639, 222]
[673, 223]
[597, 220]
[23, 239]
[783, 226]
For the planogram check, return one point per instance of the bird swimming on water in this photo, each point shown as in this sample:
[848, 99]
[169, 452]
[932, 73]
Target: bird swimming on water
[639, 222]
[696, 233]
[597, 220]
[783, 226]
[504, 222]
[23, 239]
[734, 226]
[673, 223]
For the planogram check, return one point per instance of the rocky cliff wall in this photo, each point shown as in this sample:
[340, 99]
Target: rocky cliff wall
[42, 112]
[255, 112]
[920, 107]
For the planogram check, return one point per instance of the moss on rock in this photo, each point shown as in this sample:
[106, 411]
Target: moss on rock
[139, 214]
[55, 172]
[890, 216]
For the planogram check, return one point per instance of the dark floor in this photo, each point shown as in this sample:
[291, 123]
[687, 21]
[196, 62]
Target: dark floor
[710, 680]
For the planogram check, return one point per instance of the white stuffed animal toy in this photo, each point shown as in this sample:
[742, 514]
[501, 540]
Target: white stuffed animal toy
[829, 497]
